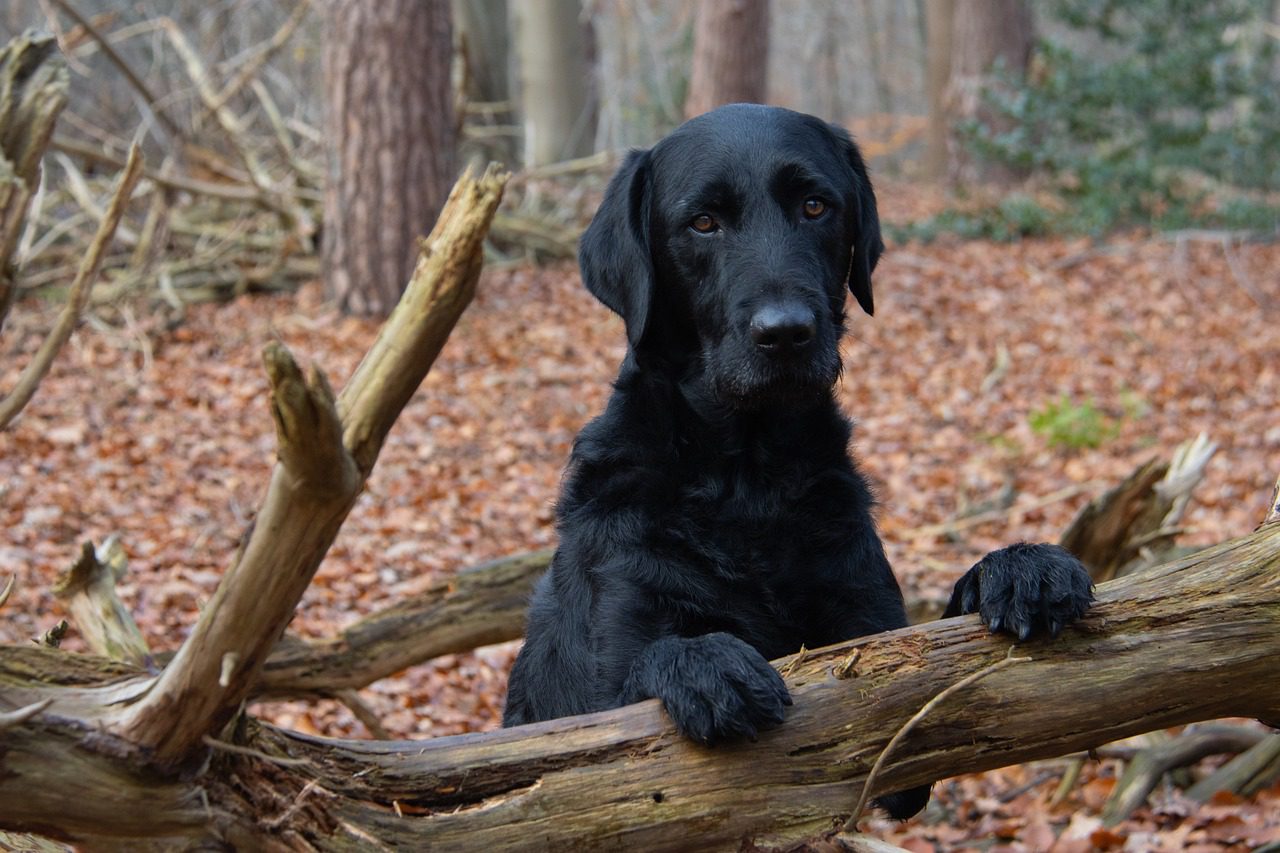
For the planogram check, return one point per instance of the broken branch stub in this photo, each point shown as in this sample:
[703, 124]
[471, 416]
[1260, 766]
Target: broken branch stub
[33, 91]
[89, 590]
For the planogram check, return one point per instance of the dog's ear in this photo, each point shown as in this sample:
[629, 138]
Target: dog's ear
[867, 244]
[617, 266]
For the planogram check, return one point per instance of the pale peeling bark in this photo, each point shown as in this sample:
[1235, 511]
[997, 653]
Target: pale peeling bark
[33, 92]
[1187, 641]
[327, 448]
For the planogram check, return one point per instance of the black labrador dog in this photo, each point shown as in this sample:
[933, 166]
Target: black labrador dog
[712, 518]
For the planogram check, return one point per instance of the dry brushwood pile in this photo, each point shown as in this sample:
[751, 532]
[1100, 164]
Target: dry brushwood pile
[978, 389]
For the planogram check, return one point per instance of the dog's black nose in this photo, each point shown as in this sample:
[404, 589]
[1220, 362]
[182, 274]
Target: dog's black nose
[783, 328]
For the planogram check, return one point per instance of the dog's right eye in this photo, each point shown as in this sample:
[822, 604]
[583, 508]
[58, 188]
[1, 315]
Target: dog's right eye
[704, 224]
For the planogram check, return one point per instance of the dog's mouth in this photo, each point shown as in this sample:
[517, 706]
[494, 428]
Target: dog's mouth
[766, 385]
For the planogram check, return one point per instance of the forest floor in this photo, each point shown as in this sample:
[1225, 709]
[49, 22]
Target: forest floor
[162, 435]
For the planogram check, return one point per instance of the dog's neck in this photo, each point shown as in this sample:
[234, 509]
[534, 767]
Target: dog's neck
[681, 396]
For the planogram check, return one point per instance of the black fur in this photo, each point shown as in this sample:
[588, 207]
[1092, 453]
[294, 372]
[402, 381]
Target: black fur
[712, 518]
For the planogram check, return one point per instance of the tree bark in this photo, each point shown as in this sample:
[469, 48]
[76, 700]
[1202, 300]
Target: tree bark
[555, 95]
[730, 55]
[1143, 658]
[391, 135]
[985, 32]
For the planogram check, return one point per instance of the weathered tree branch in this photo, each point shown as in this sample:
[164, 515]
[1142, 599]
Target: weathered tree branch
[1136, 522]
[109, 51]
[78, 297]
[1187, 641]
[1249, 772]
[1148, 766]
[327, 448]
[472, 608]
[33, 91]
[89, 590]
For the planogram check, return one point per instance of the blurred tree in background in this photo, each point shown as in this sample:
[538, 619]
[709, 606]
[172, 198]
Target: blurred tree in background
[730, 50]
[390, 134]
[986, 35]
[556, 102]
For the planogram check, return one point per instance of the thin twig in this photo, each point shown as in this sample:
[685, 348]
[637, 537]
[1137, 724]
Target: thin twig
[296, 806]
[262, 53]
[40, 363]
[228, 122]
[845, 669]
[8, 589]
[852, 823]
[116, 59]
[224, 191]
[1069, 778]
[795, 661]
[78, 187]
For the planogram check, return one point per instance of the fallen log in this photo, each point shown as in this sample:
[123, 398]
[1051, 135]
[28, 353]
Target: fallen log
[1191, 640]
[473, 608]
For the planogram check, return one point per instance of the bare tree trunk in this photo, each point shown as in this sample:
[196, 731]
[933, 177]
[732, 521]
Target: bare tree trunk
[985, 33]
[730, 55]
[555, 97]
[876, 37]
[1142, 659]
[390, 129]
[483, 27]
[939, 17]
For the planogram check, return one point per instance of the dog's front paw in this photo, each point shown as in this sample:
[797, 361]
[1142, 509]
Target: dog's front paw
[1024, 589]
[715, 687]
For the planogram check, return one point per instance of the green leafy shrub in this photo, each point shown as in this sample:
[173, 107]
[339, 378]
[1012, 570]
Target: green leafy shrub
[1016, 216]
[1073, 425]
[1170, 118]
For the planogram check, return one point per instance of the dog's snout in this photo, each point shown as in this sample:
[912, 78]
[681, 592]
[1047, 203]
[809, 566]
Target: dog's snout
[783, 328]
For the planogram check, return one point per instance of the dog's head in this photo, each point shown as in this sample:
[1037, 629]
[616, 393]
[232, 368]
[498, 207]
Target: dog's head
[726, 248]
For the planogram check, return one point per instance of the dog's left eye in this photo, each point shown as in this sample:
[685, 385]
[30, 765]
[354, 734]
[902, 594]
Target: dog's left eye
[704, 224]
[814, 208]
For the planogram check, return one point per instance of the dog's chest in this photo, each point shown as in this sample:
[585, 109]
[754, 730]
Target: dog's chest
[754, 541]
